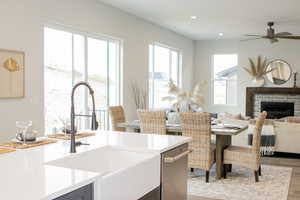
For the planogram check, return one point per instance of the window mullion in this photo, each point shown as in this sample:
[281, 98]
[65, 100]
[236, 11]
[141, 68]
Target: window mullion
[178, 69]
[107, 81]
[118, 73]
[107, 74]
[170, 64]
[85, 76]
[153, 74]
[72, 63]
[226, 94]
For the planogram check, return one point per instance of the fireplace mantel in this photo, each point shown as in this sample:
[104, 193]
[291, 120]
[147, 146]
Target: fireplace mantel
[252, 91]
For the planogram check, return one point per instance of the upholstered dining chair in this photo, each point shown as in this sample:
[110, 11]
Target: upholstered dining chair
[153, 122]
[198, 127]
[248, 157]
[293, 119]
[117, 115]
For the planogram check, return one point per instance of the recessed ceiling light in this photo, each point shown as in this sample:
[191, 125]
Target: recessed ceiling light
[193, 17]
[221, 34]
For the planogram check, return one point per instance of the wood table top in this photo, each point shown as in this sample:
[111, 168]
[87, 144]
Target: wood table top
[222, 129]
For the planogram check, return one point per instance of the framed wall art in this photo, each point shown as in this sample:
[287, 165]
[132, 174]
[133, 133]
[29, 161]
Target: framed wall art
[12, 74]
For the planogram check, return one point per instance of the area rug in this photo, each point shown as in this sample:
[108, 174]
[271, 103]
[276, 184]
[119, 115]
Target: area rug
[240, 185]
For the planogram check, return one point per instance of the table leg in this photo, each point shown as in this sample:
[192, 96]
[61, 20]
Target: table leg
[222, 141]
[136, 130]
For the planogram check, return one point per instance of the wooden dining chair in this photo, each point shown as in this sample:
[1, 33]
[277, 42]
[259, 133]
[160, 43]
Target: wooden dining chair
[153, 122]
[198, 127]
[248, 157]
[117, 115]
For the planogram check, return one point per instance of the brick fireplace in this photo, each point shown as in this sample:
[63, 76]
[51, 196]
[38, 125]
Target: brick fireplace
[278, 102]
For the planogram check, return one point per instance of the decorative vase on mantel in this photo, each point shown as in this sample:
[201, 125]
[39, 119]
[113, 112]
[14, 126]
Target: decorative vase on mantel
[258, 81]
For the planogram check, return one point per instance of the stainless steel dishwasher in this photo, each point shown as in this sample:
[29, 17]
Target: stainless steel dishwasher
[174, 172]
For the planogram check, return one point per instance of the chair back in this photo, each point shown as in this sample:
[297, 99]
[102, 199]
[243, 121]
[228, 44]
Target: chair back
[117, 115]
[257, 132]
[293, 119]
[198, 127]
[153, 122]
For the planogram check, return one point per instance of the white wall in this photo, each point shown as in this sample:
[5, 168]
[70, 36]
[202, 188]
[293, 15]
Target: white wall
[285, 49]
[22, 29]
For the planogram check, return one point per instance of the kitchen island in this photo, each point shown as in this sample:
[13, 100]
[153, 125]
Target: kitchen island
[125, 165]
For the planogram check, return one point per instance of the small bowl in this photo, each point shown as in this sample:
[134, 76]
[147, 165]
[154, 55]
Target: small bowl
[30, 136]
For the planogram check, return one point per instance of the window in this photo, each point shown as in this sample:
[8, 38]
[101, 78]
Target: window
[72, 57]
[164, 64]
[225, 79]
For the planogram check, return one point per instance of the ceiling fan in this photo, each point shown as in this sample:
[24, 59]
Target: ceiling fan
[272, 35]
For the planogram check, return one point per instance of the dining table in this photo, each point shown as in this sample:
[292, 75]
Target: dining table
[223, 133]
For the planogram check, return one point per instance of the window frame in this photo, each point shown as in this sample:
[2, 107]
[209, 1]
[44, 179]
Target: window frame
[151, 87]
[213, 81]
[86, 36]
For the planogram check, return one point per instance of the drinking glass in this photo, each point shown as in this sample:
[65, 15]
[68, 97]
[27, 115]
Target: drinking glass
[23, 126]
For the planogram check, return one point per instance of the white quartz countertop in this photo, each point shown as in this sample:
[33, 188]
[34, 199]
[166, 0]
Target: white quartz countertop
[24, 174]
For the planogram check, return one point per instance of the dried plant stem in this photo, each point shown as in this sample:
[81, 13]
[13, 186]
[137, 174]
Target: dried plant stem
[259, 69]
[140, 96]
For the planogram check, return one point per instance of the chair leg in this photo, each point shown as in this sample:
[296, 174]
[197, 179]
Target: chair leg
[256, 176]
[229, 169]
[259, 171]
[192, 170]
[225, 171]
[207, 176]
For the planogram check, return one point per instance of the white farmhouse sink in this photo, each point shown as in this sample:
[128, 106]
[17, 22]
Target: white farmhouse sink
[124, 174]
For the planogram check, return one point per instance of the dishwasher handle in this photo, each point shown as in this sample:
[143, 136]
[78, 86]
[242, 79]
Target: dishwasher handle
[175, 158]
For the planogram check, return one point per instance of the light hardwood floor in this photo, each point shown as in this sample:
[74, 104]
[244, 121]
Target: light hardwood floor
[198, 198]
[294, 192]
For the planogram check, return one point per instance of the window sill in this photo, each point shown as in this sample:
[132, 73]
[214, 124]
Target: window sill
[226, 105]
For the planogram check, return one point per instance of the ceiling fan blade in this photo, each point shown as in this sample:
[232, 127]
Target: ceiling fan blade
[257, 38]
[283, 34]
[294, 37]
[255, 35]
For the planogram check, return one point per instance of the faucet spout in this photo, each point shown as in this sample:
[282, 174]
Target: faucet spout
[94, 125]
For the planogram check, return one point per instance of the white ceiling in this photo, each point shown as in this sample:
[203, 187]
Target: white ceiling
[231, 17]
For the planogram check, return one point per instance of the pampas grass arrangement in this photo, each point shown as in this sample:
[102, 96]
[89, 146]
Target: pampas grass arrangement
[177, 97]
[259, 69]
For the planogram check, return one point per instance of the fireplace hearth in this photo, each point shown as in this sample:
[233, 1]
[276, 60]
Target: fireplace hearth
[277, 110]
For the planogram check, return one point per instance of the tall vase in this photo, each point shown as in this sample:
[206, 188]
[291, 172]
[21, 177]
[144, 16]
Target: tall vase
[258, 82]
